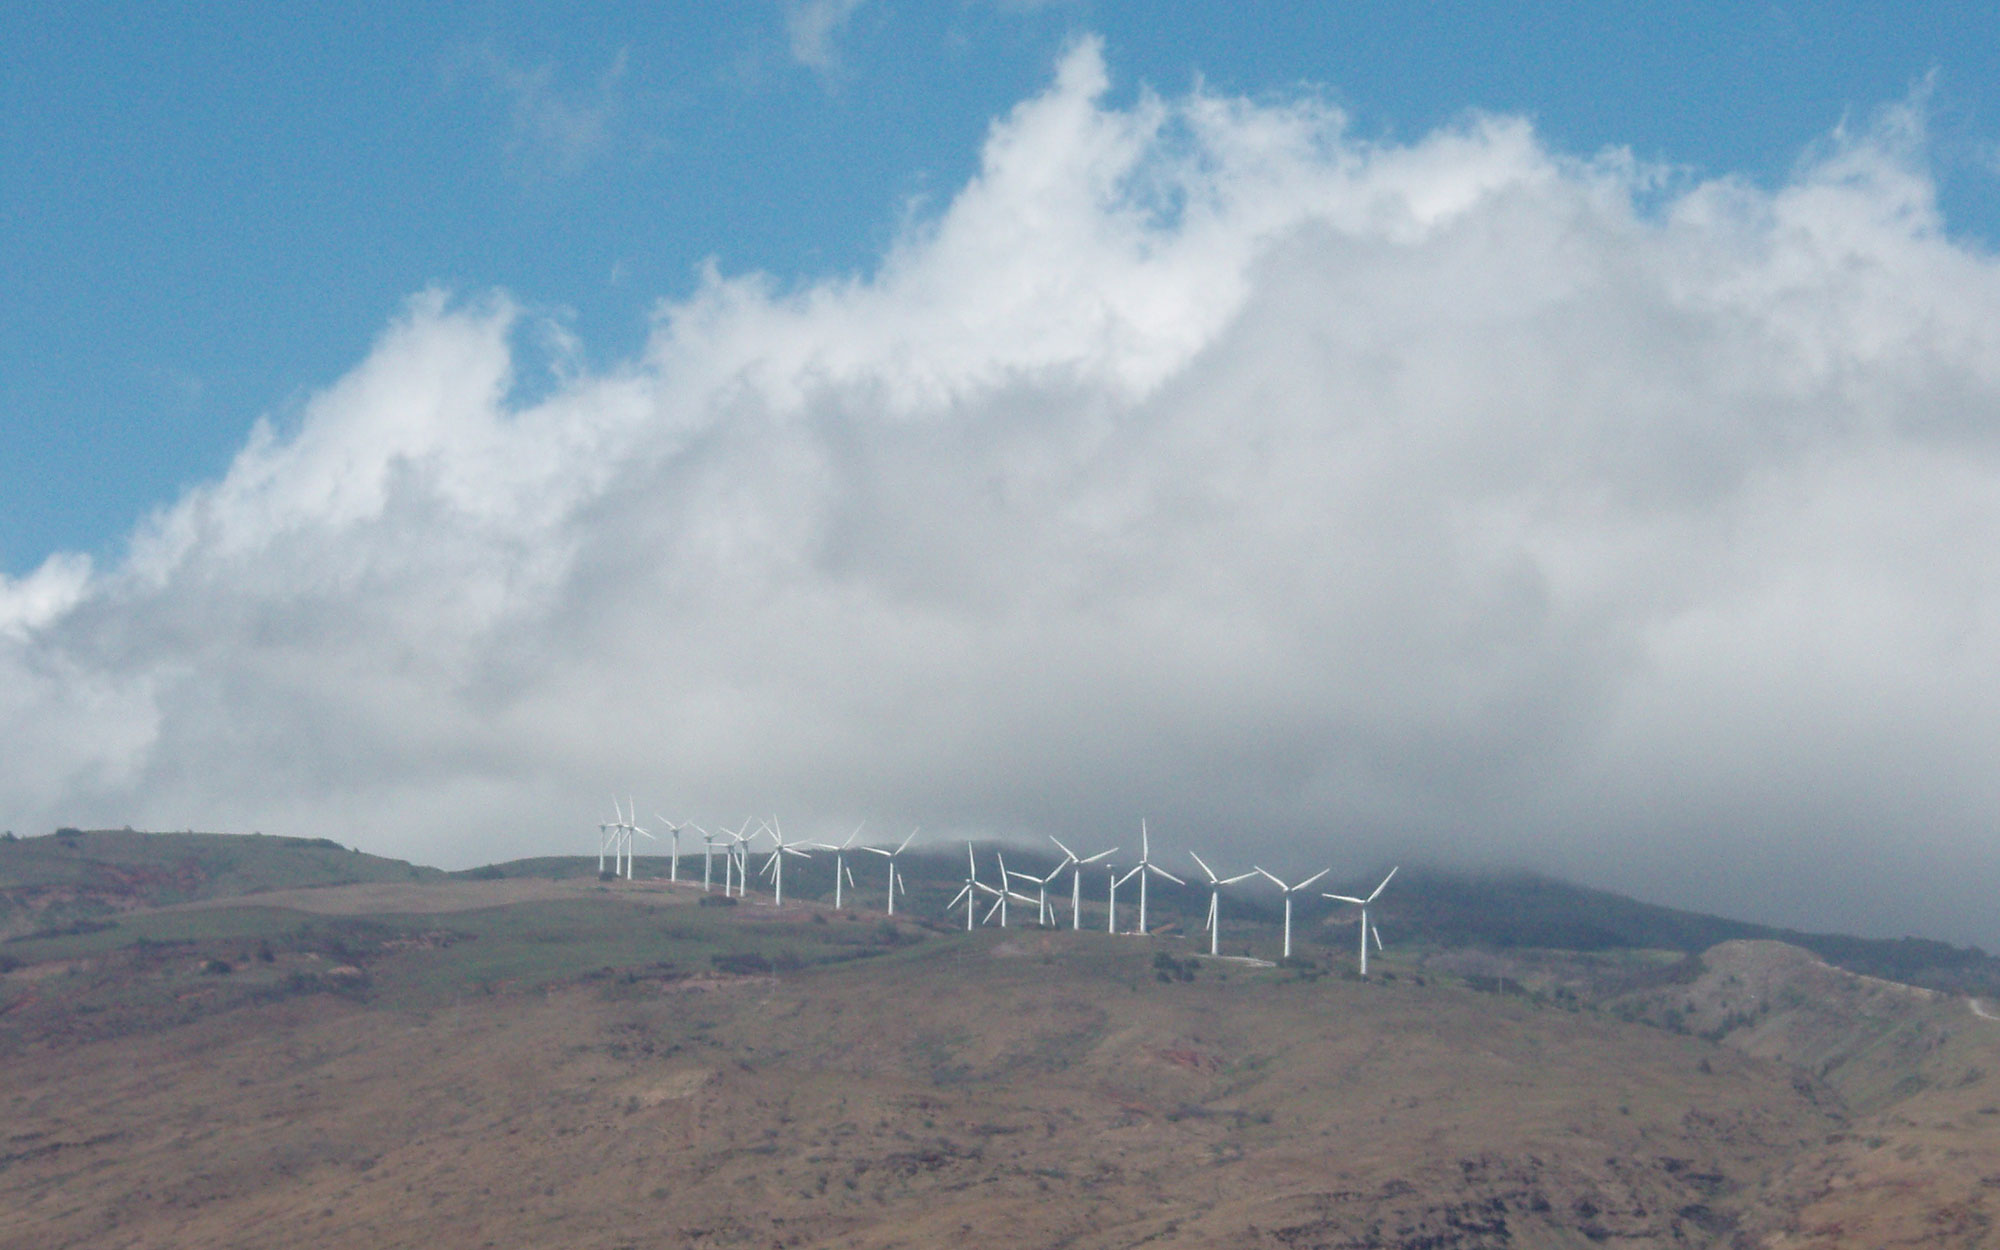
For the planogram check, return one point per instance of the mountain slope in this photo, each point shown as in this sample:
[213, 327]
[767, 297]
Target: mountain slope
[75, 877]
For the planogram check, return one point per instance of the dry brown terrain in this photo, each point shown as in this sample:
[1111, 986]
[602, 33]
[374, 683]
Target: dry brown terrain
[1023, 1088]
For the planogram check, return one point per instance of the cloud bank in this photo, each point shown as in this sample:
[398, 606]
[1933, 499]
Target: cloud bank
[1322, 499]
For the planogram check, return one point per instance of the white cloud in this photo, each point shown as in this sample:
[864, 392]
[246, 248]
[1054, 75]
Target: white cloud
[812, 26]
[1455, 498]
[549, 131]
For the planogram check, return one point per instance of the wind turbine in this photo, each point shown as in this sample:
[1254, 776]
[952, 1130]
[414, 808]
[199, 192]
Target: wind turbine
[840, 864]
[735, 859]
[895, 883]
[1073, 861]
[1289, 891]
[707, 858]
[611, 837]
[1362, 903]
[674, 832]
[969, 893]
[774, 867]
[1111, 901]
[1004, 893]
[631, 847]
[742, 849]
[1146, 865]
[1215, 885]
[1042, 891]
[622, 848]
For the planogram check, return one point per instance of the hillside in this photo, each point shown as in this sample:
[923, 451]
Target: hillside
[590, 1064]
[539, 1057]
[74, 877]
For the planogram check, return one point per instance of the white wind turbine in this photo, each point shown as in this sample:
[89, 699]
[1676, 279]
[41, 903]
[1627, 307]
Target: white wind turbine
[742, 849]
[1041, 884]
[1111, 898]
[1147, 865]
[611, 837]
[707, 858]
[1289, 891]
[623, 847]
[735, 859]
[969, 893]
[618, 840]
[1004, 893]
[1075, 862]
[1366, 929]
[1215, 884]
[774, 867]
[840, 864]
[631, 847]
[674, 832]
[895, 880]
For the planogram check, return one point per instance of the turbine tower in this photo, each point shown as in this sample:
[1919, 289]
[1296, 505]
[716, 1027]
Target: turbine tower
[631, 847]
[1111, 898]
[674, 832]
[1289, 891]
[840, 864]
[707, 858]
[1075, 863]
[1363, 903]
[895, 881]
[1215, 884]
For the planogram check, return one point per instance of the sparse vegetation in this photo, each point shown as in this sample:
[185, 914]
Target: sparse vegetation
[904, 1074]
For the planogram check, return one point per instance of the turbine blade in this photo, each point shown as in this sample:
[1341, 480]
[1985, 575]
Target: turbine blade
[1164, 873]
[1385, 882]
[1309, 880]
[1346, 898]
[1206, 870]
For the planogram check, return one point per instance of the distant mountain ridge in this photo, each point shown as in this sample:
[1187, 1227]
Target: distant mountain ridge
[74, 876]
[1430, 906]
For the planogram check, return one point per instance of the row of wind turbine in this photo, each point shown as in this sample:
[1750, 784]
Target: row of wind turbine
[616, 838]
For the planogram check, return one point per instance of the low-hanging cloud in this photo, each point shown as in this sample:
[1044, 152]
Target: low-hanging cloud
[1320, 498]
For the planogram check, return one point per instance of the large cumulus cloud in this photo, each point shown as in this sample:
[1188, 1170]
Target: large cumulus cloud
[1325, 498]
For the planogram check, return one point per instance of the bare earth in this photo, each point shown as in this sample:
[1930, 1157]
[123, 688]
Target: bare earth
[1022, 1089]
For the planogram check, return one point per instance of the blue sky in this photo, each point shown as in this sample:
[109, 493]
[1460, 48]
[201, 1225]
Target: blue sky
[212, 211]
